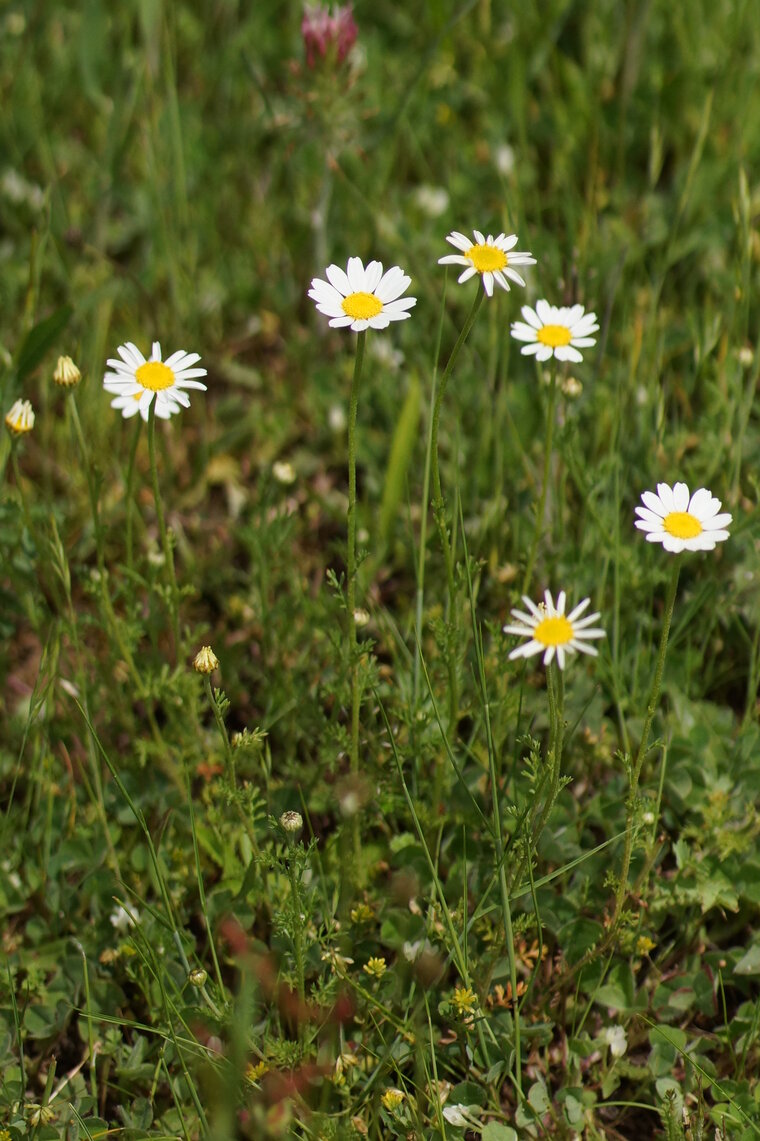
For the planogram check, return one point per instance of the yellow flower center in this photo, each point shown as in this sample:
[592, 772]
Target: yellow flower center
[556, 631]
[154, 375]
[554, 335]
[486, 258]
[682, 525]
[362, 306]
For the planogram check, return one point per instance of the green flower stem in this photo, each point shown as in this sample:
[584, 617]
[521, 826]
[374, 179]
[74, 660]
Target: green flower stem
[438, 501]
[503, 889]
[91, 485]
[439, 506]
[108, 609]
[555, 692]
[654, 696]
[353, 644]
[22, 494]
[166, 545]
[295, 887]
[130, 491]
[635, 776]
[548, 438]
[228, 753]
[421, 554]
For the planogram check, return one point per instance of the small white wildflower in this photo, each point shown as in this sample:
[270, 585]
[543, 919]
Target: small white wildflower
[504, 159]
[284, 472]
[124, 916]
[432, 200]
[615, 1038]
[336, 418]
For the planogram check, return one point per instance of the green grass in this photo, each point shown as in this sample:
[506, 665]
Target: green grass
[176, 172]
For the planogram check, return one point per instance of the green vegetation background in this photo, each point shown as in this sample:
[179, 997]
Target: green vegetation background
[175, 172]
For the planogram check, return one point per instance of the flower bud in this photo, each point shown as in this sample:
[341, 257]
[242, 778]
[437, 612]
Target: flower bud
[20, 418]
[291, 822]
[66, 374]
[205, 661]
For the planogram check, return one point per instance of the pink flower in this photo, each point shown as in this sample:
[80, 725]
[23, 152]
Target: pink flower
[323, 29]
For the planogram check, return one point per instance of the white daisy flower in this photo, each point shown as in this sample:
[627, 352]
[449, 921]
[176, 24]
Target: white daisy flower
[362, 297]
[135, 382]
[553, 332]
[551, 631]
[491, 257]
[680, 522]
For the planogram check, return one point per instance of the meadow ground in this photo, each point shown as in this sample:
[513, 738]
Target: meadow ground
[361, 870]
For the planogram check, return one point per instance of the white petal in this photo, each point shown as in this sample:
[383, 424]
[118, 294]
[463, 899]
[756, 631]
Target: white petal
[654, 503]
[680, 497]
[337, 278]
[461, 241]
[393, 284]
[718, 522]
[468, 273]
[454, 259]
[522, 332]
[567, 353]
[479, 238]
[665, 493]
[527, 650]
[372, 275]
[488, 283]
[547, 314]
[531, 317]
[576, 613]
[513, 275]
[355, 274]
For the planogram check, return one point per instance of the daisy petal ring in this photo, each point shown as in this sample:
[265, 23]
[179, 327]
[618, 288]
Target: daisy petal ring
[362, 297]
[493, 258]
[135, 383]
[681, 522]
[552, 332]
[550, 631]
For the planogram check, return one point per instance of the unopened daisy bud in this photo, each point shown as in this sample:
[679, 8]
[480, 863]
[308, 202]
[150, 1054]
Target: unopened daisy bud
[66, 373]
[205, 661]
[197, 977]
[745, 356]
[572, 386]
[291, 822]
[20, 418]
[284, 472]
[361, 616]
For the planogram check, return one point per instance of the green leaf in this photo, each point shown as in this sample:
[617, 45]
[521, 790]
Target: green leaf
[749, 964]
[494, 1131]
[39, 339]
[402, 449]
[538, 1098]
[618, 991]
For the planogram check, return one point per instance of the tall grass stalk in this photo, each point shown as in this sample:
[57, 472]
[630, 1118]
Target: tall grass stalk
[548, 440]
[439, 506]
[165, 543]
[351, 572]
